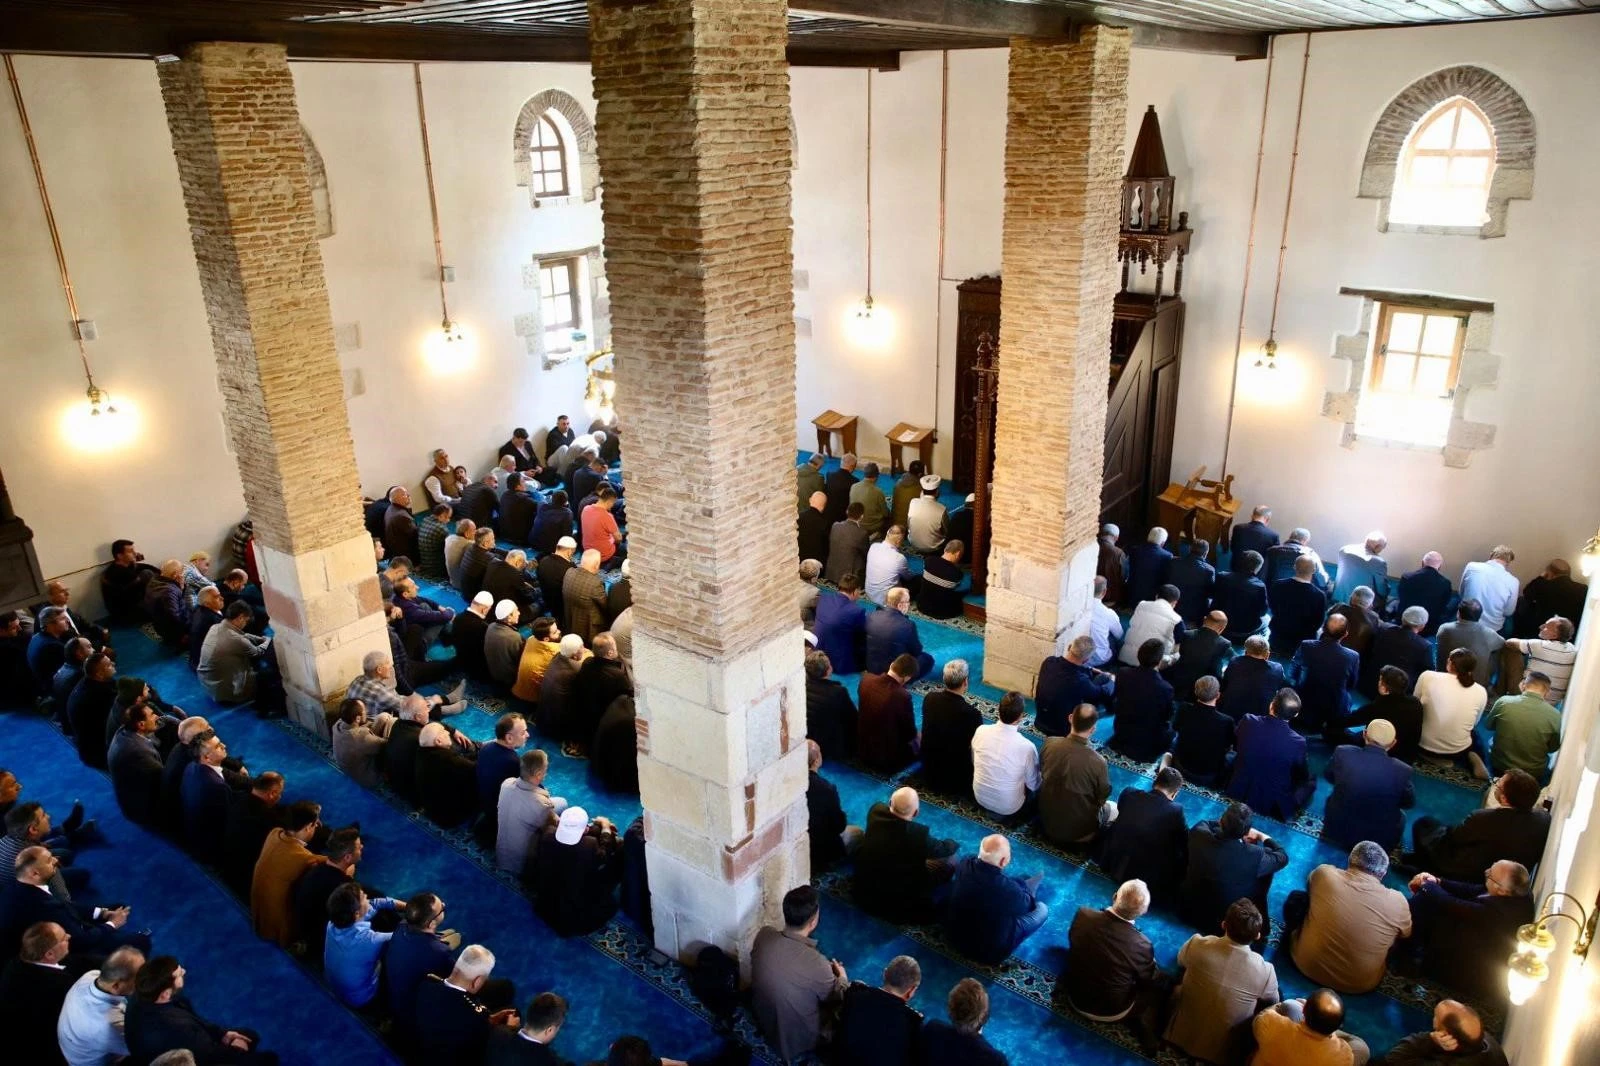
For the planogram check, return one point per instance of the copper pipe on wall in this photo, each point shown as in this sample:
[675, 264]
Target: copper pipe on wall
[433, 199]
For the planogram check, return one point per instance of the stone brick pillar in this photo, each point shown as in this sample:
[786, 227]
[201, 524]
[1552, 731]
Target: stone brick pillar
[241, 160]
[693, 103]
[1064, 132]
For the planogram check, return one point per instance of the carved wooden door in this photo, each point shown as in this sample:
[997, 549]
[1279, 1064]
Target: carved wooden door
[978, 312]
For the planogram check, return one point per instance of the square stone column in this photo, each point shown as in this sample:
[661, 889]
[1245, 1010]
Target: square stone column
[241, 160]
[1065, 125]
[693, 105]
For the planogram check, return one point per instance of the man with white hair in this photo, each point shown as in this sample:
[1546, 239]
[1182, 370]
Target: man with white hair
[1281, 559]
[509, 579]
[989, 912]
[601, 680]
[1112, 565]
[1155, 618]
[1363, 564]
[1256, 535]
[1065, 682]
[584, 595]
[1400, 645]
[887, 566]
[455, 549]
[1424, 587]
[399, 525]
[949, 721]
[166, 604]
[440, 481]
[1147, 566]
[1342, 927]
[375, 688]
[1465, 930]
[1552, 653]
[455, 1014]
[808, 482]
[891, 634]
[837, 485]
[502, 644]
[447, 778]
[899, 864]
[1361, 618]
[1111, 973]
[555, 714]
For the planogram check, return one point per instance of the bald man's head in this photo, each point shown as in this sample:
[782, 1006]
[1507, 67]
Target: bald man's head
[904, 803]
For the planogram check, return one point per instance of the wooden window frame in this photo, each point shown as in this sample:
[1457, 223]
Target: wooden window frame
[574, 303]
[1452, 107]
[537, 149]
[1380, 345]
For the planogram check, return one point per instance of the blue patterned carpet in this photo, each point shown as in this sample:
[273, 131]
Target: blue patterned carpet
[608, 978]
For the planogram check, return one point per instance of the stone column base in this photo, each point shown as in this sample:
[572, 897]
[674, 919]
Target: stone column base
[1033, 611]
[327, 614]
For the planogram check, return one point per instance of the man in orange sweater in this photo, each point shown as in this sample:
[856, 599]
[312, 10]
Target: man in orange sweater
[284, 857]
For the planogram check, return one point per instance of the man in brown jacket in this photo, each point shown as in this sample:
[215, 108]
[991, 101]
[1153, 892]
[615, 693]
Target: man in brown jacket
[1075, 791]
[284, 857]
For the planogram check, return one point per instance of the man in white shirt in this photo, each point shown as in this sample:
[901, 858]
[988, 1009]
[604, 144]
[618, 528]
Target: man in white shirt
[1005, 764]
[1156, 619]
[440, 481]
[1104, 625]
[1551, 653]
[89, 1028]
[1493, 585]
[886, 566]
[1451, 705]
[925, 517]
[1363, 564]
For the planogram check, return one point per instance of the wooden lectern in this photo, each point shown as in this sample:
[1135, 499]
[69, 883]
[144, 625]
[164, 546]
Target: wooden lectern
[905, 435]
[1198, 509]
[830, 422]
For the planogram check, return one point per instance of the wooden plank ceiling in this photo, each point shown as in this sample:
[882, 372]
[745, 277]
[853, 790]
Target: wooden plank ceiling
[838, 32]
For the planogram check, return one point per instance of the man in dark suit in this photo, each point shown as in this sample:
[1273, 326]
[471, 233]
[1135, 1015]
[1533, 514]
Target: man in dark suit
[1553, 594]
[1280, 560]
[33, 985]
[1203, 650]
[79, 626]
[400, 754]
[1396, 705]
[1361, 621]
[1256, 535]
[825, 813]
[877, 1026]
[1112, 564]
[1205, 735]
[813, 527]
[1297, 608]
[90, 707]
[1064, 683]
[1400, 645]
[509, 579]
[1147, 566]
[1194, 578]
[841, 625]
[1143, 707]
[891, 633]
[416, 950]
[948, 721]
[136, 766]
[1463, 931]
[205, 798]
[1242, 597]
[1325, 672]
[530, 1045]
[47, 649]
[161, 1019]
[1428, 588]
[519, 509]
[1228, 860]
[253, 813]
[899, 865]
[1250, 681]
[1370, 791]
[1150, 839]
[27, 900]
[1269, 764]
[886, 728]
[988, 911]
[837, 485]
[1111, 973]
[553, 522]
[847, 547]
[1514, 830]
[830, 712]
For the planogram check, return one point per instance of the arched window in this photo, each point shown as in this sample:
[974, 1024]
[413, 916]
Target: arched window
[553, 150]
[1446, 168]
[548, 159]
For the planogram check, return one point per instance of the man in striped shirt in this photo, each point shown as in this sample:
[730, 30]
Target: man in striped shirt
[1551, 653]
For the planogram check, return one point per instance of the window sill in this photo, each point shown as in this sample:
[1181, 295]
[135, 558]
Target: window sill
[554, 201]
[1434, 230]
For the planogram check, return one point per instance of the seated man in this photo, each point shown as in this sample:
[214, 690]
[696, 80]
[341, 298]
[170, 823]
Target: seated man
[925, 517]
[498, 761]
[890, 633]
[1269, 765]
[47, 649]
[1297, 608]
[1451, 705]
[1111, 973]
[440, 483]
[1457, 1038]
[1305, 1032]
[1362, 622]
[432, 536]
[478, 500]
[519, 509]
[614, 752]
[886, 729]
[558, 712]
[810, 592]
[1256, 535]
[830, 712]
[475, 562]
[1512, 827]
[877, 1026]
[1149, 841]
[898, 865]
[600, 531]
[1250, 682]
[1424, 587]
[502, 644]
[135, 765]
[1280, 561]
[455, 1014]
[352, 949]
[1143, 707]
[1400, 645]
[160, 1019]
[1065, 683]
[1396, 705]
[576, 873]
[988, 911]
[1147, 567]
[207, 612]
[601, 680]
[1242, 596]
[874, 505]
[523, 809]
[376, 688]
[811, 528]
[537, 654]
[825, 815]
[1154, 619]
[960, 1042]
[419, 948]
[1005, 764]
[1228, 860]
[1194, 578]
[205, 795]
[29, 899]
[123, 581]
[89, 1029]
[790, 980]
[1075, 786]
[447, 778]
[236, 666]
[847, 546]
[1204, 748]
[530, 1045]
[1463, 931]
[949, 721]
[285, 858]
[553, 524]
[1492, 584]
[33, 987]
[1363, 564]
[1551, 653]
[1225, 984]
[1202, 651]
[1371, 791]
[1104, 625]
[1553, 592]
[1325, 672]
[424, 620]
[1468, 631]
[1341, 928]
[887, 566]
[1526, 729]
[841, 626]
[400, 525]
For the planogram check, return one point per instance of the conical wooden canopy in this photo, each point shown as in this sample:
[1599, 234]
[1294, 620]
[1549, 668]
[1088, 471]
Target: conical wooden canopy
[1149, 157]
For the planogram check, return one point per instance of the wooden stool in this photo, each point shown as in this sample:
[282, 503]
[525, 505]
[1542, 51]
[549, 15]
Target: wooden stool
[903, 435]
[831, 422]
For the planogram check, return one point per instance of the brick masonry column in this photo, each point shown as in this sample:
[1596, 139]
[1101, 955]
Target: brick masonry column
[693, 104]
[241, 160]
[1065, 126]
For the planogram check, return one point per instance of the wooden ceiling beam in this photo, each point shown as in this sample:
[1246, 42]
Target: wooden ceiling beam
[1000, 18]
[1240, 45]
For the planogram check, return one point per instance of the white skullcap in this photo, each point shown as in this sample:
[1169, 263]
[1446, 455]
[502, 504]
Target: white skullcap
[567, 542]
[504, 609]
[483, 599]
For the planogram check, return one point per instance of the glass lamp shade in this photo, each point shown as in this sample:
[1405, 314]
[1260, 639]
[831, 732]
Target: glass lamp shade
[1535, 940]
[448, 349]
[1589, 561]
[1525, 972]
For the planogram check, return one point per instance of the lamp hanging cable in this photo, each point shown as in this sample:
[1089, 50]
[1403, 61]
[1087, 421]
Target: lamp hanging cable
[1288, 201]
[868, 303]
[96, 396]
[451, 332]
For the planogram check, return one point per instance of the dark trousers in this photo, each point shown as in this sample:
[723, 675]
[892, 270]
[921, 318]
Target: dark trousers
[1295, 909]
